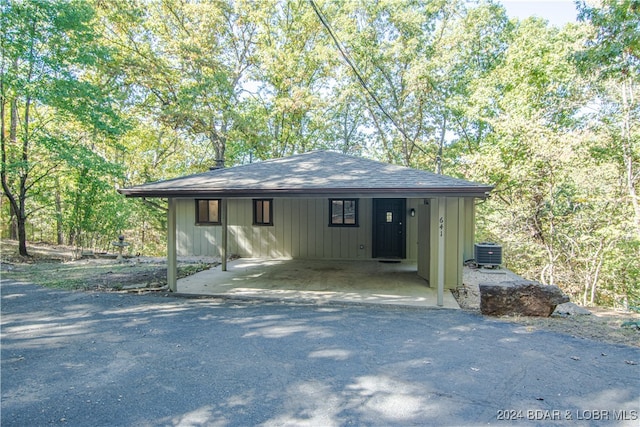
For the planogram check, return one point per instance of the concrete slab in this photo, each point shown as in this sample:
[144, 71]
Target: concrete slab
[320, 281]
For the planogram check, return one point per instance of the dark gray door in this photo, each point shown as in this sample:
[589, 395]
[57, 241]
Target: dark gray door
[389, 216]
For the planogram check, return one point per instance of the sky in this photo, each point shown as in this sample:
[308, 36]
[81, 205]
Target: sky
[557, 12]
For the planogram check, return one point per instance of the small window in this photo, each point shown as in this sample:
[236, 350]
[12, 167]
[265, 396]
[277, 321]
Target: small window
[343, 212]
[208, 211]
[262, 212]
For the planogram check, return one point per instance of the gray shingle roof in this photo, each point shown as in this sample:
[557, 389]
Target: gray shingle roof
[316, 173]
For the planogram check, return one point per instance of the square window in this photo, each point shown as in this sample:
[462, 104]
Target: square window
[208, 212]
[343, 212]
[263, 212]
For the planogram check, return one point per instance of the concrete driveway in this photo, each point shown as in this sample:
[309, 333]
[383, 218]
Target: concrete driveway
[364, 282]
[111, 359]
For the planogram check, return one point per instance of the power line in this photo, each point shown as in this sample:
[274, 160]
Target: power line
[355, 70]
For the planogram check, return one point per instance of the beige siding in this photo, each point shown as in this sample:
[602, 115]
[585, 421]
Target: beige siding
[469, 228]
[193, 239]
[424, 240]
[453, 246]
[433, 245]
[300, 230]
[455, 232]
[412, 229]
[308, 234]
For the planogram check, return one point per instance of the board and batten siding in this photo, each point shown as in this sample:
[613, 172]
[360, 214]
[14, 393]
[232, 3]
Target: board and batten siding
[300, 230]
[459, 230]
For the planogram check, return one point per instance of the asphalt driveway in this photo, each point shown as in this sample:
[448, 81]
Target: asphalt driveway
[107, 359]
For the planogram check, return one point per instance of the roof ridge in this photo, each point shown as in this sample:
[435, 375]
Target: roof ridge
[271, 160]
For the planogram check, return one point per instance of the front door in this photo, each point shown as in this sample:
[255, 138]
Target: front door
[389, 216]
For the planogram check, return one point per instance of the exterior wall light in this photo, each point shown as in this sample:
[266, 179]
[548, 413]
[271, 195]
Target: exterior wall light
[412, 212]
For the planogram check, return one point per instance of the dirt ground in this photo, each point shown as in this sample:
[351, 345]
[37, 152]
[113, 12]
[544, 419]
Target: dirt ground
[93, 272]
[148, 274]
[603, 324]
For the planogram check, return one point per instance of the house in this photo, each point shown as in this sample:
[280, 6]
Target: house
[322, 205]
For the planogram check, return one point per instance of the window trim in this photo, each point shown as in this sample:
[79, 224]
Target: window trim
[356, 201]
[198, 222]
[255, 212]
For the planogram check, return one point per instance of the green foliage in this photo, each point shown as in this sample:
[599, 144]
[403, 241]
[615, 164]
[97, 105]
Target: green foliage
[61, 123]
[121, 93]
[614, 46]
[631, 324]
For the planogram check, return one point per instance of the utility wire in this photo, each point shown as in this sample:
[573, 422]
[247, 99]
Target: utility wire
[355, 70]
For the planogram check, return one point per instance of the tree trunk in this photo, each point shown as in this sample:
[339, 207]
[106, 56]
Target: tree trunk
[218, 141]
[17, 204]
[144, 234]
[587, 283]
[22, 231]
[591, 281]
[22, 197]
[13, 223]
[594, 283]
[443, 131]
[58, 203]
[627, 151]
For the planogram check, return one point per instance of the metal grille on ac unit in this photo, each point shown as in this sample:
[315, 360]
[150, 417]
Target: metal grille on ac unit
[488, 254]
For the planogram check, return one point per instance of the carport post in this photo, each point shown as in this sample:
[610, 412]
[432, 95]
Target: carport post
[172, 269]
[441, 227]
[223, 220]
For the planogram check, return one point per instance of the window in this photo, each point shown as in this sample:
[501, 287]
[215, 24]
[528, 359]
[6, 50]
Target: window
[208, 211]
[343, 212]
[263, 212]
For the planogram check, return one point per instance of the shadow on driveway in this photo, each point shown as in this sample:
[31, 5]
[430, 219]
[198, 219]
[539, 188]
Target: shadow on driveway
[84, 358]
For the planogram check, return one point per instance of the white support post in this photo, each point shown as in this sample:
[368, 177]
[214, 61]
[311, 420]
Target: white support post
[441, 240]
[172, 263]
[223, 247]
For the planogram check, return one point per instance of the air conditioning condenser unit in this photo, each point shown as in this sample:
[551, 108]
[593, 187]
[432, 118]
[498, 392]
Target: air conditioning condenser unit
[487, 254]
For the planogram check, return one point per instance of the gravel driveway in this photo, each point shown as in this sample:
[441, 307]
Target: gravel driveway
[109, 359]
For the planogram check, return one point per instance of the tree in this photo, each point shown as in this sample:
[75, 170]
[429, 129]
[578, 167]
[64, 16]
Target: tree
[49, 49]
[185, 64]
[472, 45]
[392, 44]
[530, 101]
[610, 59]
[611, 56]
[294, 62]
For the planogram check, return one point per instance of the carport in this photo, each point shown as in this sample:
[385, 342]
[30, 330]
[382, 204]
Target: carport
[317, 281]
[327, 207]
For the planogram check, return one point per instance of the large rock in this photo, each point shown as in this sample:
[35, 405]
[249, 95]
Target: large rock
[570, 309]
[521, 297]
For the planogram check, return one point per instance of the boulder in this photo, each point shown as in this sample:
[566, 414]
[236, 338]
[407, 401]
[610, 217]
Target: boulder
[570, 309]
[522, 297]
